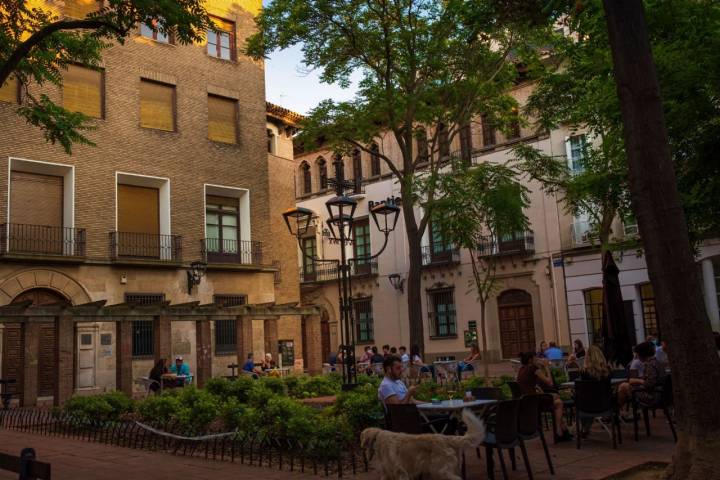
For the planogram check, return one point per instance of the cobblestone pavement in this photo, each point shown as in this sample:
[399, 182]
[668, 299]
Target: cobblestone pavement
[80, 460]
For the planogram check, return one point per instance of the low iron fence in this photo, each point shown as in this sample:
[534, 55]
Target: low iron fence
[328, 456]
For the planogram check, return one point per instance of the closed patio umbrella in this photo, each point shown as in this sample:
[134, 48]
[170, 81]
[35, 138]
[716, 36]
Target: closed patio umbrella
[617, 343]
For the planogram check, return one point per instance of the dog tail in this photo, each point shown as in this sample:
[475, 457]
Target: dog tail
[475, 429]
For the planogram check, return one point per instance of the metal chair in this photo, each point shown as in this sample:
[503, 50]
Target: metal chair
[504, 437]
[529, 425]
[594, 399]
[665, 403]
[515, 390]
[406, 418]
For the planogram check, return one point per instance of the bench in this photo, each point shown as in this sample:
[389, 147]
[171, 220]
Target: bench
[25, 465]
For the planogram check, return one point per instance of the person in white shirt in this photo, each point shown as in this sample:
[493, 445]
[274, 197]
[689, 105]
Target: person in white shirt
[404, 357]
[392, 390]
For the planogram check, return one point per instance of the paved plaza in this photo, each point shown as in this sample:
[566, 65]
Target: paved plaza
[79, 460]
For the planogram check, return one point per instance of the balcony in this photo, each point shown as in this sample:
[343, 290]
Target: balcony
[234, 252]
[317, 272]
[582, 234]
[438, 255]
[518, 243]
[145, 247]
[41, 240]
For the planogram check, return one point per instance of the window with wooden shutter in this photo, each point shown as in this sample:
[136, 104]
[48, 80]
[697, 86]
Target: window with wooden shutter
[36, 199]
[138, 209]
[157, 105]
[222, 119]
[83, 90]
[488, 132]
[221, 40]
[9, 90]
[81, 8]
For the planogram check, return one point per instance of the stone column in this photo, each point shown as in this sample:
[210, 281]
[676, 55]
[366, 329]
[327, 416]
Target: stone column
[162, 334]
[271, 337]
[313, 344]
[123, 357]
[204, 352]
[64, 359]
[31, 345]
[243, 326]
[710, 294]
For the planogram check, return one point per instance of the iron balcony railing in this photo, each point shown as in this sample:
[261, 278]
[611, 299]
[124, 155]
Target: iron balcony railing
[16, 238]
[435, 255]
[326, 272]
[518, 243]
[145, 246]
[238, 252]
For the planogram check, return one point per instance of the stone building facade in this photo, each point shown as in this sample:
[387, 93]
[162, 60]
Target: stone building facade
[180, 173]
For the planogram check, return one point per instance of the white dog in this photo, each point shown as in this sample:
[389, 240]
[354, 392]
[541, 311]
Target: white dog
[434, 456]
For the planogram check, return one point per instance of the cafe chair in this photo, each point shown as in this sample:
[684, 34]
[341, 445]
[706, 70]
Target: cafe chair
[504, 436]
[515, 390]
[406, 418]
[487, 393]
[529, 426]
[664, 403]
[146, 383]
[594, 400]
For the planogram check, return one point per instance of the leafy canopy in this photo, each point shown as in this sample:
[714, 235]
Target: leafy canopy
[37, 44]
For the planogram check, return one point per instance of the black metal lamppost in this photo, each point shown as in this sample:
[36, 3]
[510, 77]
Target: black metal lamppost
[341, 209]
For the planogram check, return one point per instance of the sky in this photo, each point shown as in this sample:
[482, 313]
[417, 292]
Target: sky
[290, 85]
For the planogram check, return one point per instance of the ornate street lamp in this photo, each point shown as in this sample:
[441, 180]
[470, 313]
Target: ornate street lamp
[396, 281]
[341, 210]
[195, 273]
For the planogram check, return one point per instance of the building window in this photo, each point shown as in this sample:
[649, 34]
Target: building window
[225, 336]
[594, 313]
[229, 300]
[442, 313]
[322, 173]
[309, 250]
[83, 90]
[374, 160]
[222, 220]
[422, 146]
[361, 246]
[466, 146]
[81, 8]
[647, 301]
[222, 119]
[514, 132]
[157, 105]
[144, 298]
[306, 178]
[221, 40]
[143, 333]
[10, 90]
[270, 141]
[151, 31]
[363, 319]
[357, 165]
[138, 222]
[488, 132]
[444, 141]
[575, 150]
[439, 245]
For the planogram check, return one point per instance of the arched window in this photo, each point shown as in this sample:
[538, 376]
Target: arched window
[594, 313]
[374, 160]
[270, 141]
[357, 165]
[306, 177]
[322, 173]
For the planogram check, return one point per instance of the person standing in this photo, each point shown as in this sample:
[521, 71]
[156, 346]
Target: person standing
[386, 351]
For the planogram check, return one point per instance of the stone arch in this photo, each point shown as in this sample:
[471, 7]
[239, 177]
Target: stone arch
[44, 278]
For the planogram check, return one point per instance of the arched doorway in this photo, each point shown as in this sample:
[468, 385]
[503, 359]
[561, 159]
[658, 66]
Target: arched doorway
[325, 334]
[13, 344]
[517, 328]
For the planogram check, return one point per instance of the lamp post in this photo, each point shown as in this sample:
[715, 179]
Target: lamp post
[341, 209]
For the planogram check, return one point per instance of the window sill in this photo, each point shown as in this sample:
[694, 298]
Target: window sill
[144, 357]
[226, 354]
[220, 143]
[153, 129]
[443, 337]
[157, 42]
[232, 61]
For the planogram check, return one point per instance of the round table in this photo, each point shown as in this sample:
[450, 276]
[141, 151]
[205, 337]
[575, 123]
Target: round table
[453, 407]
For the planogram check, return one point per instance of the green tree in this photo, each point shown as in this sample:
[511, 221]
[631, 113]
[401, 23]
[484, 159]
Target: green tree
[475, 208]
[427, 68]
[37, 44]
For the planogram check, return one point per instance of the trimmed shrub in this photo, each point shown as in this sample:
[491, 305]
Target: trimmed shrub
[103, 408]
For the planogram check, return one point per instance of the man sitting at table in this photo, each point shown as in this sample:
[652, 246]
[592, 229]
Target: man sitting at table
[553, 352]
[181, 368]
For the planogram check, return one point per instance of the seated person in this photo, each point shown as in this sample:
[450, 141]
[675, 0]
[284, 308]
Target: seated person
[417, 361]
[268, 362]
[643, 387]
[467, 364]
[404, 357]
[249, 365]
[531, 378]
[367, 355]
[376, 357]
[553, 352]
[180, 368]
[595, 368]
[156, 374]
[579, 349]
[541, 351]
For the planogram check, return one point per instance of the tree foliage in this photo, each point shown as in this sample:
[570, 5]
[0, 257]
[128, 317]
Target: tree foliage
[37, 43]
[427, 68]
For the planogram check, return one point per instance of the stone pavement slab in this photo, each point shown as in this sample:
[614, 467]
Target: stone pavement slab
[81, 460]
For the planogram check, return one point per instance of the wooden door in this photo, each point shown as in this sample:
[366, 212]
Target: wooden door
[517, 327]
[12, 356]
[86, 359]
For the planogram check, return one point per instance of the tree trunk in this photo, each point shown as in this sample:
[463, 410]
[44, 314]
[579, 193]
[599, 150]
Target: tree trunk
[414, 294]
[483, 330]
[670, 260]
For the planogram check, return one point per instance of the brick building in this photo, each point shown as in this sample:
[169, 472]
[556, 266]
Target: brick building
[181, 173]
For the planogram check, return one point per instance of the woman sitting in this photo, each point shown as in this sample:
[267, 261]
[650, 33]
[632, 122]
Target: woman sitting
[268, 362]
[579, 349]
[595, 368]
[541, 352]
[417, 361]
[643, 387]
[467, 364]
[531, 378]
[156, 374]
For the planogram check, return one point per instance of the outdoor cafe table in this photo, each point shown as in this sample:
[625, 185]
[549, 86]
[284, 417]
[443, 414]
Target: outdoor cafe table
[453, 407]
[172, 378]
[613, 381]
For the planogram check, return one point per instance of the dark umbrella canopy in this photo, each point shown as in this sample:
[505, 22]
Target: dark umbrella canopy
[617, 343]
